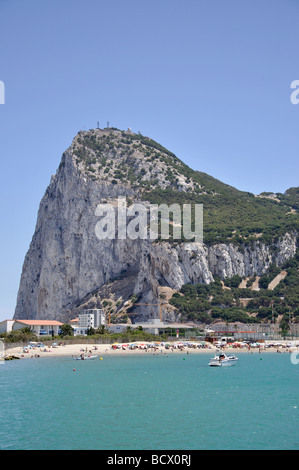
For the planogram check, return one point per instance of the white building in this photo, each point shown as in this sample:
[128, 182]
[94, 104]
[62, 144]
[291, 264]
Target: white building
[91, 318]
[40, 327]
[6, 326]
[154, 327]
[118, 327]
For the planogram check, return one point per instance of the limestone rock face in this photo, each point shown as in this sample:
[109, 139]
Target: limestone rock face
[67, 266]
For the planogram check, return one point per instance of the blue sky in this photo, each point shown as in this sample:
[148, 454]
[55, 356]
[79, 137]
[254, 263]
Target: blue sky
[208, 79]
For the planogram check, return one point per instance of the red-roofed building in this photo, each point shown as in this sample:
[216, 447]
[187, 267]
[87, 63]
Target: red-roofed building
[40, 327]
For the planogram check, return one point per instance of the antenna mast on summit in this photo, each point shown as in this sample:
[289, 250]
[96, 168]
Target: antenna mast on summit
[98, 125]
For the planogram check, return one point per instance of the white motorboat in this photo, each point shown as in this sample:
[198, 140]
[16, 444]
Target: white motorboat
[84, 358]
[221, 360]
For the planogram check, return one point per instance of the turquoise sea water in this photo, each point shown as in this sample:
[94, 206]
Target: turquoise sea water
[150, 402]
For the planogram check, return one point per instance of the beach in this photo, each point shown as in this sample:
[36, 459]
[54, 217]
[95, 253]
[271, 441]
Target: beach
[101, 350]
[140, 348]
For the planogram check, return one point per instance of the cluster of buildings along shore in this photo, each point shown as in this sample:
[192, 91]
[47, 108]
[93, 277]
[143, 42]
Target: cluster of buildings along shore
[96, 318]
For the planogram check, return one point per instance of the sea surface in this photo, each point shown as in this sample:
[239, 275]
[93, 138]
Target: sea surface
[160, 402]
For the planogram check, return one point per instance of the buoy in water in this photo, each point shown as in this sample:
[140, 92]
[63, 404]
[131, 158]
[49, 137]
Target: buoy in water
[101, 358]
[74, 370]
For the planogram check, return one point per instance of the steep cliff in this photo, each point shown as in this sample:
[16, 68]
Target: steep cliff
[67, 266]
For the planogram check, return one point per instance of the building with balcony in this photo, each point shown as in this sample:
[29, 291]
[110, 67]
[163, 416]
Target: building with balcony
[90, 318]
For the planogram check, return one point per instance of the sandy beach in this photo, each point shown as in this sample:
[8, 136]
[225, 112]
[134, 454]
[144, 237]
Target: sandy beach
[124, 349]
[100, 350]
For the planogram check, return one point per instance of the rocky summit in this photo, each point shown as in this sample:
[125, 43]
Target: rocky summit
[68, 267]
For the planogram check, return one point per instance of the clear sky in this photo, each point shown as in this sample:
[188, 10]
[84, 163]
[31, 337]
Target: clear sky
[208, 79]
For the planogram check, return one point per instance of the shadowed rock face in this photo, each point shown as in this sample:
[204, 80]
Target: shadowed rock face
[67, 266]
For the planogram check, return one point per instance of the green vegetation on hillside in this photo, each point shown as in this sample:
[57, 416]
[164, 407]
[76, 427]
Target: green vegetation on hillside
[229, 215]
[213, 302]
[234, 216]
